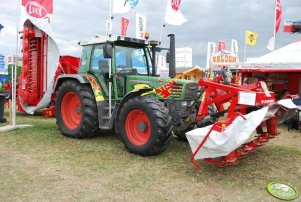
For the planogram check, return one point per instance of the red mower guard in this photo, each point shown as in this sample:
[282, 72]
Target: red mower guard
[243, 99]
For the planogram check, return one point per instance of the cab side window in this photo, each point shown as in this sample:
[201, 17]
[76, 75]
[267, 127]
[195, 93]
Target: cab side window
[99, 64]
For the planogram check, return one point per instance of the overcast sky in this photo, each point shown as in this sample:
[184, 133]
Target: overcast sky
[208, 20]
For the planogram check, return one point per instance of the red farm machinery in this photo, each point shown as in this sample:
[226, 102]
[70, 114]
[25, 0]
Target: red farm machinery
[241, 109]
[33, 80]
[114, 86]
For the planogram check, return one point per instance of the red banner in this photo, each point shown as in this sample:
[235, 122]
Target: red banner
[38, 8]
[124, 26]
[221, 46]
[278, 13]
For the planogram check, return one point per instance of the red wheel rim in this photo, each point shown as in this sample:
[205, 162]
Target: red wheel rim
[71, 110]
[138, 127]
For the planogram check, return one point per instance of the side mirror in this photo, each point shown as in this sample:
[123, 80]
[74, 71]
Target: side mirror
[167, 57]
[107, 50]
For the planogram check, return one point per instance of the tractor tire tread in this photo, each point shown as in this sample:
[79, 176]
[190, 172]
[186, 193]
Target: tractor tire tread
[89, 122]
[161, 125]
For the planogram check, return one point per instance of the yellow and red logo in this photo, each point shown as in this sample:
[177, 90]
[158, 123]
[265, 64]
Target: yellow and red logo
[165, 90]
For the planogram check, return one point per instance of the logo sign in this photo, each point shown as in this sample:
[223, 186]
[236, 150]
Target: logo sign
[133, 3]
[175, 4]
[224, 58]
[282, 191]
[38, 8]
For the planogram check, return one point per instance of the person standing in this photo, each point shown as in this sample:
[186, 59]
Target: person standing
[227, 75]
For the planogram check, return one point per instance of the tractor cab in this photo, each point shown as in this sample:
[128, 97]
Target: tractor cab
[127, 64]
[113, 60]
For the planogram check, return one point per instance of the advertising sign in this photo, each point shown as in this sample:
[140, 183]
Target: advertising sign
[184, 57]
[224, 58]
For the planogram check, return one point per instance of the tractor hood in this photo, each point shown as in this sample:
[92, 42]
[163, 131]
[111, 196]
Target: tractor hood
[164, 88]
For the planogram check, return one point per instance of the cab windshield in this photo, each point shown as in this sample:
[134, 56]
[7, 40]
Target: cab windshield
[132, 60]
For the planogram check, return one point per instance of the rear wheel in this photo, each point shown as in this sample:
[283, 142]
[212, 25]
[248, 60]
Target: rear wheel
[76, 110]
[145, 126]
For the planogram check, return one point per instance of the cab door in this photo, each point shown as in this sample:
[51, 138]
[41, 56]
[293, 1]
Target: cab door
[100, 67]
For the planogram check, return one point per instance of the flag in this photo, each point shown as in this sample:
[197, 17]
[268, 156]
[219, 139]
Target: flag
[1, 27]
[278, 14]
[251, 38]
[121, 6]
[234, 47]
[140, 26]
[210, 51]
[271, 44]
[37, 11]
[173, 15]
[221, 45]
[124, 26]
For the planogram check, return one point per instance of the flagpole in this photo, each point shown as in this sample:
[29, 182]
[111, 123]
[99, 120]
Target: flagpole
[163, 22]
[14, 69]
[245, 48]
[245, 51]
[110, 19]
[274, 39]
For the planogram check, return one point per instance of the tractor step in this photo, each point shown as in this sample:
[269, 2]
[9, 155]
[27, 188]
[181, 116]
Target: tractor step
[104, 119]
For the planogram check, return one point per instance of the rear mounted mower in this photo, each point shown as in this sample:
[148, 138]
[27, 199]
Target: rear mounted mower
[36, 73]
[250, 107]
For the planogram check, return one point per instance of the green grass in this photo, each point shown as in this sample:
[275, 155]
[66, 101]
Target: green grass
[39, 163]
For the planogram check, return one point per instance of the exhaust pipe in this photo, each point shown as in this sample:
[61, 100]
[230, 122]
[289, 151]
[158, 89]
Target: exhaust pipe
[172, 56]
[154, 50]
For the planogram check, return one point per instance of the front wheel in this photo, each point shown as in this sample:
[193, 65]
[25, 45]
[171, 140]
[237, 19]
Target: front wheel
[145, 126]
[76, 110]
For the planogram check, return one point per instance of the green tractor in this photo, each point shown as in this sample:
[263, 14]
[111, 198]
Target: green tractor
[117, 88]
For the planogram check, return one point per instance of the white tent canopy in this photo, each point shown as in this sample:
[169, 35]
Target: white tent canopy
[287, 57]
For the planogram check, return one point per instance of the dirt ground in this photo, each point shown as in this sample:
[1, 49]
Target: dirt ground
[39, 164]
